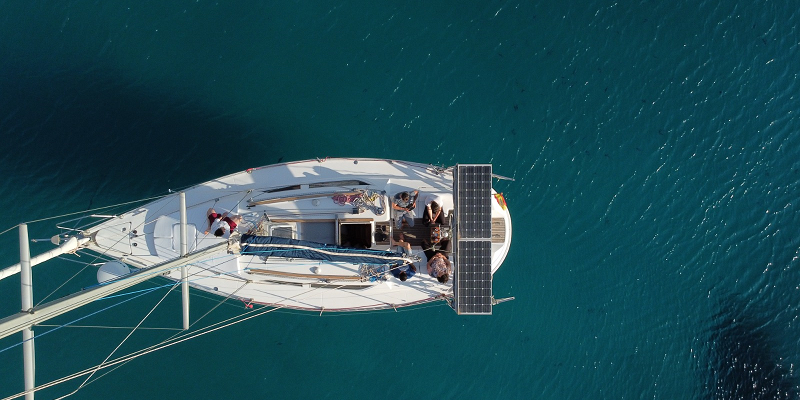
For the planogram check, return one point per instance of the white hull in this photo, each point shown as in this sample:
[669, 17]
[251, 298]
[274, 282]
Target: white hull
[298, 199]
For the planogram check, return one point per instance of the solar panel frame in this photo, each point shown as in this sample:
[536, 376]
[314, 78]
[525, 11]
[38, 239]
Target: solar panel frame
[472, 283]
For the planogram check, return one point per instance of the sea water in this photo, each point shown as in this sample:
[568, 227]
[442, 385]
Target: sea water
[654, 148]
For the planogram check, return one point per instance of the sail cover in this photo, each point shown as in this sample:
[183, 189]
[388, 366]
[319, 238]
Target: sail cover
[292, 248]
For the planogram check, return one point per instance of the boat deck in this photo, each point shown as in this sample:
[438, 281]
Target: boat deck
[298, 199]
[414, 235]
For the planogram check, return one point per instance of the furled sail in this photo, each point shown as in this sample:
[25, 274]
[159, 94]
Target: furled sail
[292, 248]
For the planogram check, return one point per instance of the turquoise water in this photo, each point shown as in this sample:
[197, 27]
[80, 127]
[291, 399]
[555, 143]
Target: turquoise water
[654, 146]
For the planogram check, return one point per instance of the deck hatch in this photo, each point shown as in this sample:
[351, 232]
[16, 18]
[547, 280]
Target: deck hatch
[472, 283]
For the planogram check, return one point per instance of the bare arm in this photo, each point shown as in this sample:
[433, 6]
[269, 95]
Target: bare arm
[413, 201]
[208, 221]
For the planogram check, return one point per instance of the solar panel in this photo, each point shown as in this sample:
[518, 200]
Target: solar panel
[473, 188]
[472, 283]
[473, 277]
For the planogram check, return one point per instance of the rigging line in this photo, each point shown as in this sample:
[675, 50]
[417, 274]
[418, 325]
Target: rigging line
[64, 283]
[426, 303]
[216, 200]
[172, 285]
[111, 327]
[299, 294]
[101, 254]
[4, 232]
[144, 290]
[75, 261]
[242, 199]
[147, 350]
[235, 207]
[69, 324]
[238, 316]
[240, 278]
[169, 192]
[124, 277]
[76, 274]
[223, 301]
[76, 320]
[127, 276]
[85, 252]
[203, 269]
[212, 268]
[217, 305]
[88, 380]
[200, 294]
[86, 225]
[160, 286]
[86, 211]
[123, 341]
[131, 356]
[276, 307]
[164, 344]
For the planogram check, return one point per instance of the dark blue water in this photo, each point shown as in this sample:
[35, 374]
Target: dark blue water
[655, 148]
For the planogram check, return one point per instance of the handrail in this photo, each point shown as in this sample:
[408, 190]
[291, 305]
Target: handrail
[307, 276]
[301, 197]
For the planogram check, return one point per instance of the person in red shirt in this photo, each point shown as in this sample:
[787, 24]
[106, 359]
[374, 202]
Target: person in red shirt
[227, 223]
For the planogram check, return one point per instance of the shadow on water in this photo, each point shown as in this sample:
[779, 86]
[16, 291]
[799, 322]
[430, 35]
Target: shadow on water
[94, 126]
[81, 137]
[741, 362]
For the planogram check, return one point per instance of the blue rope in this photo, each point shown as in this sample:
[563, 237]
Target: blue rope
[135, 291]
[143, 292]
[154, 288]
[79, 319]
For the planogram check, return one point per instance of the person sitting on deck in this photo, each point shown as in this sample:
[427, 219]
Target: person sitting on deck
[433, 211]
[439, 265]
[406, 271]
[227, 223]
[403, 206]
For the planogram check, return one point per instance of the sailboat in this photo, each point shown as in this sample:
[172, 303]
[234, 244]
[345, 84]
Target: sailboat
[322, 235]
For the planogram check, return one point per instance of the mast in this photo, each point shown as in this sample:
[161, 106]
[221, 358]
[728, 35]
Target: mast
[28, 355]
[184, 274]
[39, 314]
[68, 246]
